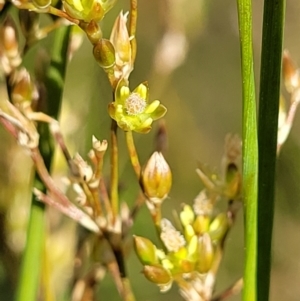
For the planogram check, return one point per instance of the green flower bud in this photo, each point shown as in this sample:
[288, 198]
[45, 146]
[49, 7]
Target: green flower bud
[156, 178]
[104, 53]
[218, 227]
[132, 110]
[157, 274]
[86, 10]
[145, 250]
[93, 31]
[205, 254]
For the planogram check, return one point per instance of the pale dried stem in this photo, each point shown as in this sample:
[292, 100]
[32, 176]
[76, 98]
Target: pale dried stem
[231, 291]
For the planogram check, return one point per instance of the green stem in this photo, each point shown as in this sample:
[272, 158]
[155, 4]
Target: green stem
[32, 258]
[133, 154]
[273, 22]
[29, 280]
[250, 152]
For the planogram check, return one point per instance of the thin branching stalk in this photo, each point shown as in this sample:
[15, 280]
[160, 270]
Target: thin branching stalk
[250, 152]
[273, 22]
[30, 270]
[114, 176]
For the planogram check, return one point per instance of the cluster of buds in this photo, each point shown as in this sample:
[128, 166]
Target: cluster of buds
[187, 255]
[17, 116]
[116, 54]
[191, 252]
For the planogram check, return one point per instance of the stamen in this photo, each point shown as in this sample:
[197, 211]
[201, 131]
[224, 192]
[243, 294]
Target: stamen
[135, 104]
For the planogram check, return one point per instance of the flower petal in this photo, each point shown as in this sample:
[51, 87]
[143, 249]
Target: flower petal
[143, 90]
[159, 112]
[152, 107]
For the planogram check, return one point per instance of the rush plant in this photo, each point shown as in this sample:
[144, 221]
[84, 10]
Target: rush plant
[189, 249]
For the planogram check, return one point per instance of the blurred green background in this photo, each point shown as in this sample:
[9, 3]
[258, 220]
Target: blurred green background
[203, 97]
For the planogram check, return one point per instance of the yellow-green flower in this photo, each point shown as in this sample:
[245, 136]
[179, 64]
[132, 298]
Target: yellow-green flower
[132, 110]
[86, 10]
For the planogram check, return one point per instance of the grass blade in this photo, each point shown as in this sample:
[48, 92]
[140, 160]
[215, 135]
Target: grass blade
[250, 152]
[29, 280]
[271, 55]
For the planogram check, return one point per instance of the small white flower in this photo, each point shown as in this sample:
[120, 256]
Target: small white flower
[203, 204]
[172, 238]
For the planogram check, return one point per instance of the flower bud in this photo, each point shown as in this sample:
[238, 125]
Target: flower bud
[81, 168]
[290, 73]
[156, 178]
[157, 274]
[145, 250]
[120, 39]
[23, 90]
[92, 30]
[9, 38]
[86, 10]
[104, 53]
[205, 254]
[218, 227]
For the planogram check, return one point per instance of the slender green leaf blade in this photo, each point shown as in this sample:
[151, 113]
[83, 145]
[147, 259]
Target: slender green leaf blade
[273, 21]
[250, 152]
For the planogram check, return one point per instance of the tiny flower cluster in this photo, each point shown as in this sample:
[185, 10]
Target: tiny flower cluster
[185, 254]
[191, 251]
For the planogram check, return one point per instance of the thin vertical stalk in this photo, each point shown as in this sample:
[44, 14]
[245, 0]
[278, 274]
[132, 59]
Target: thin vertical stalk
[29, 280]
[250, 152]
[133, 154]
[132, 27]
[114, 172]
[273, 22]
